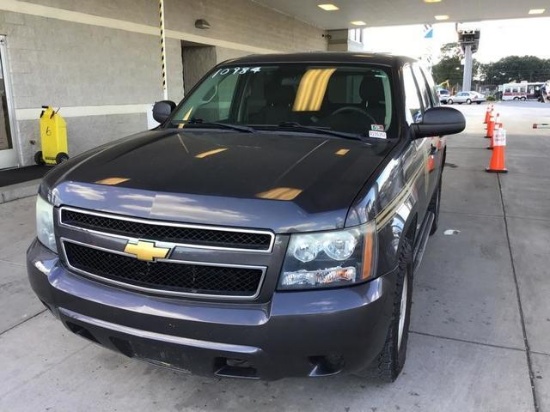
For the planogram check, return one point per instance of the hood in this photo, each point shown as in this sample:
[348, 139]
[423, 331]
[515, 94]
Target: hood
[282, 181]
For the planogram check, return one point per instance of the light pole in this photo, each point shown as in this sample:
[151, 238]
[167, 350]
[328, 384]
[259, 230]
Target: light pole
[469, 42]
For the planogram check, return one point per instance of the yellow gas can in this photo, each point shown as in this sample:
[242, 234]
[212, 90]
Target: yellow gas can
[53, 138]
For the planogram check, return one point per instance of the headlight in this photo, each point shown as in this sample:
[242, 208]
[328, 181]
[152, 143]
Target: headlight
[44, 224]
[328, 259]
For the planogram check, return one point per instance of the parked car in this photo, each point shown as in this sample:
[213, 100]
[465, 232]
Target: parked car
[466, 97]
[443, 95]
[269, 227]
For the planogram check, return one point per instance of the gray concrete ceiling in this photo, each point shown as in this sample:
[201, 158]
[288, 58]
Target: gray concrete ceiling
[401, 12]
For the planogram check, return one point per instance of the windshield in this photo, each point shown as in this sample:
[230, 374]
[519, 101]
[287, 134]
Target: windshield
[350, 99]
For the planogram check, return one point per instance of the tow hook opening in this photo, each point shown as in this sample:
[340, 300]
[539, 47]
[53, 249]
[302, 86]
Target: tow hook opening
[326, 365]
[235, 368]
[81, 331]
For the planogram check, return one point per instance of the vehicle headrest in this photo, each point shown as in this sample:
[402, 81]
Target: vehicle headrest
[372, 89]
[278, 95]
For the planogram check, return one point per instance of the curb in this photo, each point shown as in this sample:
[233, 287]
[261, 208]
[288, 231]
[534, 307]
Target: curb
[19, 191]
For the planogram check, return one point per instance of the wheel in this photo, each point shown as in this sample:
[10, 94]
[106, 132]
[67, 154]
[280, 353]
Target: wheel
[354, 109]
[516, 98]
[523, 98]
[38, 159]
[459, 102]
[469, 101]
[61, 157]
[450, 101]
[478, 102]
[390, 361]
[434, 206]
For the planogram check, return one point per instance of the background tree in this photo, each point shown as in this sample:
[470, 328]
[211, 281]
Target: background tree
[515, 69]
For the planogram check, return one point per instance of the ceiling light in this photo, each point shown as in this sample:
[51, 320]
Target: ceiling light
[358, 23]
[432, 1]
[537, 11]
[441, 17]
[328, 7]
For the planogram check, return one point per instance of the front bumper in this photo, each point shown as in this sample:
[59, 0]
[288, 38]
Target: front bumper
[309, 333]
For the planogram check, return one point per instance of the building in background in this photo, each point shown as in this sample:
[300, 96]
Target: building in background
[100, 61]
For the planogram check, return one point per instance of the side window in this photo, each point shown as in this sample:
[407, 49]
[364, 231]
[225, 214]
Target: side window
[422, 87]
[430, 86]
[412, 99]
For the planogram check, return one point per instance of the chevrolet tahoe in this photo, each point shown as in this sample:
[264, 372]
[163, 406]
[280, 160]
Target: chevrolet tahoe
[269, 227]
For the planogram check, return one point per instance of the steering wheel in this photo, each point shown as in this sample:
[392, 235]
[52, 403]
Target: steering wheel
[354, 109]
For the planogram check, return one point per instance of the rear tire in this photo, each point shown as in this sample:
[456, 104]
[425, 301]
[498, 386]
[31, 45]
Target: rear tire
[450, 101]
[390, 361]
[38, 159]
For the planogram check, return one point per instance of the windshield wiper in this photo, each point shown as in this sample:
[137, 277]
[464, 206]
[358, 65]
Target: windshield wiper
[201, 122]
[318, 129]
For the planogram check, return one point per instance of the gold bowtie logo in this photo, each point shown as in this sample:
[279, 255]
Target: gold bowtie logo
[146, 251]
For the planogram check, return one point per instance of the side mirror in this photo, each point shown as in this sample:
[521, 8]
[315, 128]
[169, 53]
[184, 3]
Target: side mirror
[439, 121]
[162, 110]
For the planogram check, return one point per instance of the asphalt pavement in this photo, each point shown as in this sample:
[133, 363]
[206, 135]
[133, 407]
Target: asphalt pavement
[480, 337]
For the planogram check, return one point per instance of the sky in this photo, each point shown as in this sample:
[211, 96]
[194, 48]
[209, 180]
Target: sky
[499, 38]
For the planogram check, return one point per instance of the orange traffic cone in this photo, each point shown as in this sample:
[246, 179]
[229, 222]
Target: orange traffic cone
[497, 164]
[490, 127]
[491, 142]
[488, 113]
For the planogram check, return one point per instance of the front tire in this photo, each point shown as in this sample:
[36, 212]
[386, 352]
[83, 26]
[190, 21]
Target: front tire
[390, 361]
[469, 101]
[450, 101]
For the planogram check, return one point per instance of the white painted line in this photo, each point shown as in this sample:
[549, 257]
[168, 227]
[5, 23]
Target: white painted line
[83, 111]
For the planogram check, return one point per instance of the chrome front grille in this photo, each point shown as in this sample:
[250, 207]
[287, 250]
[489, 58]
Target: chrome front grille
[97, 245]
[190, 235]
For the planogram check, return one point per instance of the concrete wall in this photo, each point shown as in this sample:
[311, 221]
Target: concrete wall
[100, 59]
[244, 22]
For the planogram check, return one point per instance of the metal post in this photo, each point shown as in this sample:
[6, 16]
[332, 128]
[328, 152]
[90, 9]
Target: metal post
[467, 78]
[163, 49]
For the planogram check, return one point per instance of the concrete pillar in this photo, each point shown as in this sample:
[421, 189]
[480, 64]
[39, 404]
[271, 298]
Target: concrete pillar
[467, 77]
[338, 40]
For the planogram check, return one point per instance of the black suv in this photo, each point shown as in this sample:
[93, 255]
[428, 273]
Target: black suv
[269, 227]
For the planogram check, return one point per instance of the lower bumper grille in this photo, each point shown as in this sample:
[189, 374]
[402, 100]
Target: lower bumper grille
[161, 277]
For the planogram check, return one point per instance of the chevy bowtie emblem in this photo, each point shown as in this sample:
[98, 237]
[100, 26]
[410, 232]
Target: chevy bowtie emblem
[146, 251]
